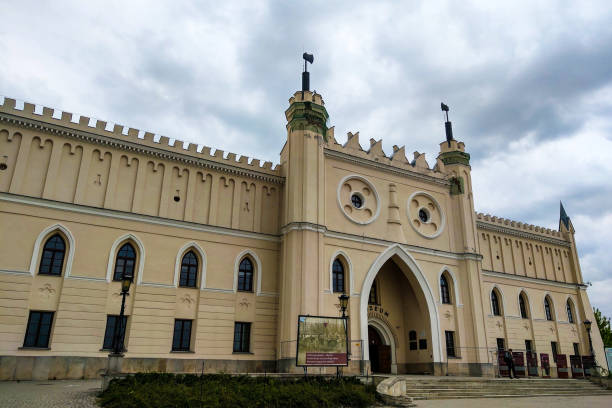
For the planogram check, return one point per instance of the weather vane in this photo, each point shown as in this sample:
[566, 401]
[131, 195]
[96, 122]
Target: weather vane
[447, 124]
[306, 75]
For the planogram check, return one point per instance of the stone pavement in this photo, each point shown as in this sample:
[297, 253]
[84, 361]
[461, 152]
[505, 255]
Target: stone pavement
[522, 402]
[49, 394]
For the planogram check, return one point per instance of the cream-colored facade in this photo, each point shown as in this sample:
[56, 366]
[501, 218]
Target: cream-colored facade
[99, 187]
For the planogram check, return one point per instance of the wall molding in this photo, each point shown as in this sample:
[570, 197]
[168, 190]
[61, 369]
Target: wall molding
[56, 205]
[540, 281]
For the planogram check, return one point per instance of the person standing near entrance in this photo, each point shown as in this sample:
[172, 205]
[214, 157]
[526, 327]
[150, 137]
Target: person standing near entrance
[509, 359]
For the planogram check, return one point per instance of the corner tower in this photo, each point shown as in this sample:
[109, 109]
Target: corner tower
[457, 164]
[302, 259]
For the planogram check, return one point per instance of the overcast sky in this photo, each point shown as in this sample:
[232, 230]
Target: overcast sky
[529, 85]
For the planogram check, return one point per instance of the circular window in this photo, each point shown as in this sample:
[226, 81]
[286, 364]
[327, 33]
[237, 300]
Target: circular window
[358, 199]
[423, 215]
[3, 166]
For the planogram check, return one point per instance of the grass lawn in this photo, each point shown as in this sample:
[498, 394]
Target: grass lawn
[219, 390]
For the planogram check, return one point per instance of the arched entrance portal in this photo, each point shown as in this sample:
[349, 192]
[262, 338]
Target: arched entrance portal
[399, 320]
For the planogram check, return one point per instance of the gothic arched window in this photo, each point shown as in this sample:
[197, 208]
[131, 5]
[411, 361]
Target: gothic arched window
[125, 262]
[548, 309]
[495, 303]
[523, 306]
[570, 312]
[245, 275]
[444, 290]
[52, 260]
[189, 270]
[338, 276]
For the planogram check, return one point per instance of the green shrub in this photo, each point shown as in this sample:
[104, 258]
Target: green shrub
[153, 390]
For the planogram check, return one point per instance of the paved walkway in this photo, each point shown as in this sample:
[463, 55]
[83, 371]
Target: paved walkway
[523, 402]
[49, 394]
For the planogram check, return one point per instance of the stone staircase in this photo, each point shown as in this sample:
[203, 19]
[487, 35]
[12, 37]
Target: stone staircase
[420, 387]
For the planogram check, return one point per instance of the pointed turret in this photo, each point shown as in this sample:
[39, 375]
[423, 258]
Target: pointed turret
[564, 220]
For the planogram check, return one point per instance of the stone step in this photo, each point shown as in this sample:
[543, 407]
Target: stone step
[533, 392]
[429, 389]
[464, 396]
[508, 386]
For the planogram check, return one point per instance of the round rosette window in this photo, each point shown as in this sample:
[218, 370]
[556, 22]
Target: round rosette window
[425, 214]
[358, 199]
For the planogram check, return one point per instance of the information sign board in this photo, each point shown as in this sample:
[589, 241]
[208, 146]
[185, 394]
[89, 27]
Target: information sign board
[532, 364]
[562, 370]
[609, 358]
[322, 341]
[588, 362]
[576, 363]
[501, 363]
[519, 363]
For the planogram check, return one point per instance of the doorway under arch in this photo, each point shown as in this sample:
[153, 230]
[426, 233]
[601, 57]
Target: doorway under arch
[381, 347]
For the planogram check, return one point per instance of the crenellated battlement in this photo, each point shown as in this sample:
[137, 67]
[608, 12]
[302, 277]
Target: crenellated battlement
[517, 225]
[68, 121]
[376, 153]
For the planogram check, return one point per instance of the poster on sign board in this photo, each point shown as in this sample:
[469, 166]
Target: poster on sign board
[322, 341]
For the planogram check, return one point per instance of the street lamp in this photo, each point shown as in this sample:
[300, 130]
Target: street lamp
[587, 325]
[343, 303]
[126, 281]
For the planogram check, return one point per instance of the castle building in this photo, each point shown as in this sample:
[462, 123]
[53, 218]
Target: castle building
[227, 252]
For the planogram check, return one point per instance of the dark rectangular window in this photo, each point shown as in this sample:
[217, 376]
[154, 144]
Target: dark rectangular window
[242, 337]
[450, 344]
[553, 346]
[501, 344]
[111, 325]
[39, 329]
[412, 336]
[182, 335]
[576, 349]
[422, 344]
[528, 346]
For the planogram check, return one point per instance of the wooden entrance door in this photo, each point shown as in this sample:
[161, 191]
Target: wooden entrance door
[380, 353]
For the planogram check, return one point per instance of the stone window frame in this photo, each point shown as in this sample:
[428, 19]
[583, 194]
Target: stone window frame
[257, 272]
[39, 245]
[202, 261]
[140, 257]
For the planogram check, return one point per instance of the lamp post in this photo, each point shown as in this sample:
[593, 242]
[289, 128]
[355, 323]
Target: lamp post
[126, 281]
[343, 304]
[116, 355]
[587, 325]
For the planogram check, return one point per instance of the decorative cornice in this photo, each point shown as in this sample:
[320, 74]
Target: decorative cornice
[376, 241]
[540, 281]
[137, 148]
[521, 234]
[385, 167]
